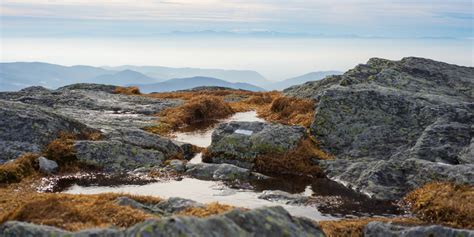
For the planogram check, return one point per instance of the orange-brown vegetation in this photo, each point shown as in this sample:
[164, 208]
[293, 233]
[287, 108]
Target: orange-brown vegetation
[73, 212]
[208, 210]
[187, 95]
[21, 167]
[60, 150]
[296, 161]
[197, 110]
[132, 90]
[444, 203]
[271, 106]
[289, 110]
[355, 227]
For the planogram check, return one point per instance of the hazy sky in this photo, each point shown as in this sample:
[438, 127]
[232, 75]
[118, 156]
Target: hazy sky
[278, 38]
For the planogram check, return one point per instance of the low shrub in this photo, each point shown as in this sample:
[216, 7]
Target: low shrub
[132, 90]
[443, 203]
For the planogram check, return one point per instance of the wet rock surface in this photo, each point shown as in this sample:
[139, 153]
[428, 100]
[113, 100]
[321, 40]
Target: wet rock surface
[270, 221]
[395, 125]
[239, 143]
[380, 229]
[224, 172]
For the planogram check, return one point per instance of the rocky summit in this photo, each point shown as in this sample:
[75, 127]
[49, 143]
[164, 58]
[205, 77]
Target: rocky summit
[395, 125]
[385, 133]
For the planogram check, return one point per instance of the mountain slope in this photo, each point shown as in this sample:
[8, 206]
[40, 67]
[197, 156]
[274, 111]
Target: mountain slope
[246, 76]
[15, 76]
[191, 82]
[312, 76]
[125, 77]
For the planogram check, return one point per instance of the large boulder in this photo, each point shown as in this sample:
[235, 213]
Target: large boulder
[380, 229]
[239, 143]
[395, 125]
[268, 221]
[28, 128]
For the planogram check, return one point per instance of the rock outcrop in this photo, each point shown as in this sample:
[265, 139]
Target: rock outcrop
[269, 221]
[239, 143]
[380, 229]
[34, 116]
[28, 128]
[395, 125]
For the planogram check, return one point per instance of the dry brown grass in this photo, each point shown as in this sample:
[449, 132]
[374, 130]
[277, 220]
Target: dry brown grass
[60, 150]
[76, 212]
[197, 110]
[188, 95]
[355, 227]
[296, 161]
[289, 110]
[132, 90]
[208, 210]
[19, 168]
[444, 203]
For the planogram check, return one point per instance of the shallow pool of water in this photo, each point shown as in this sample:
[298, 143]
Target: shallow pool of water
[337, 201]
[202, 137]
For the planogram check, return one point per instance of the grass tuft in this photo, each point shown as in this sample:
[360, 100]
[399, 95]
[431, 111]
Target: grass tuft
[77, 212]
[289, 110]
[297, 161]
[443, 203]
[196, 110]
[208, 210]
[355, 227]
[132, 90]
[21, 167]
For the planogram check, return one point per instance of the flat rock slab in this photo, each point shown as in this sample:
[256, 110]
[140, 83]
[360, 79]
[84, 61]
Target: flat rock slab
[116, 156]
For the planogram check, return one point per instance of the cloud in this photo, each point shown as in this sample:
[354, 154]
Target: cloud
[376, 17]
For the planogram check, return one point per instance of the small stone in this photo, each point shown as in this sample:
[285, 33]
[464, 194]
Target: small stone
[177, 165]
[47, 166]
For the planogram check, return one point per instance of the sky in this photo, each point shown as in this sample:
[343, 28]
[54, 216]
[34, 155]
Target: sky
[275, 37]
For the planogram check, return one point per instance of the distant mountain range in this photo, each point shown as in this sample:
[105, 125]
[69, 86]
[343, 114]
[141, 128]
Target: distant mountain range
[192, 82]
[246, 76]
[18, 75]
[312, 76]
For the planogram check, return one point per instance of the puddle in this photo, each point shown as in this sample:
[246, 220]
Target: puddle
[202, 138]
[330, 200]
[202, 191]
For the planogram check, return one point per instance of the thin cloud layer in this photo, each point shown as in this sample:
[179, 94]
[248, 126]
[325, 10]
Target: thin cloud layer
[405, 18]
